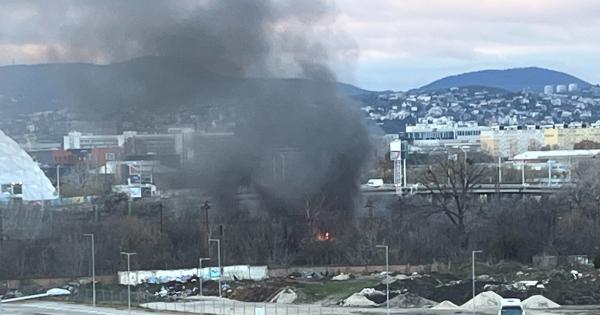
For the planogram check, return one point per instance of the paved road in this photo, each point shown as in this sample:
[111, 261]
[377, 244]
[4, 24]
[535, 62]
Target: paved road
[58, 308]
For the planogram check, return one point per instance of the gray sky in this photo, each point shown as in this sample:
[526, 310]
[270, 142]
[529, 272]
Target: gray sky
[376, 44]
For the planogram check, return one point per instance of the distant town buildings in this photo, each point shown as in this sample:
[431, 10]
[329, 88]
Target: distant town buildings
[502, 141]
[444, 133]
[562, 137]
[512, 140]
[561, 88]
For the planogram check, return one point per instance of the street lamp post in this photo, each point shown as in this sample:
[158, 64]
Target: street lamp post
[499, 170]
[200, 276]
[549, 172]
[523, 173]
[58, 180]
[218, 241]
[128, 254]
[473, 274]
[387, 275]
[91, 236]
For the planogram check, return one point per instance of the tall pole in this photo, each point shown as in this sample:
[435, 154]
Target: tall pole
[549, 172]
[200, 275]
[499, 170]
[58, 180]
[387, 275]
[404, 172]
[128, 280]
[473, 274]
[523, 173]
[218, 241]
[91, 235]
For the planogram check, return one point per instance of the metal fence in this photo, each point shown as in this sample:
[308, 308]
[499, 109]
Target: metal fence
[206, 305]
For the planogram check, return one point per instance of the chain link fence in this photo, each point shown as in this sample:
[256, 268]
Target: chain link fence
[201, 305]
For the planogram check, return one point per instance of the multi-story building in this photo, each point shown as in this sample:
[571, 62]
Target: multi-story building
[565, 137]
[444, 134]
[77, 140]
[511, 140]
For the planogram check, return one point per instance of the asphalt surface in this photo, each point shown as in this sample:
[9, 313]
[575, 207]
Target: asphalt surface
[206, 307]
[58, 308]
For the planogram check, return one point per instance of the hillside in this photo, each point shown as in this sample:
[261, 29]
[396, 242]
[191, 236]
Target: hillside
[147, 83]
[514, 80]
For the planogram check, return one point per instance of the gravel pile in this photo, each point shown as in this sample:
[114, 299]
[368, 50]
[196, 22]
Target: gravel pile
[445, 305]
[539, 302]
[485, 299]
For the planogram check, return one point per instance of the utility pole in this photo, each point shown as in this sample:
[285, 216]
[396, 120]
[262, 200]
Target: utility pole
[218, 241]
[499, 170]
[200, 274]
[523, 173]
[58, 180]
[128, 254]
[387, 276]
[91, 236]
[549, 173]
[404, 172]
[206, 207]
[473, 274]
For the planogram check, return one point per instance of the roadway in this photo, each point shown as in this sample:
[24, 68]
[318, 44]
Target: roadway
[506, 188]
[61, 308]
[246, 308]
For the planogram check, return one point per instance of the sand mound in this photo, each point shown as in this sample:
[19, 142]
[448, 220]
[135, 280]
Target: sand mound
[485, 299]
[409, 300]
[539, 301]
[358, 300]
[285, 296]
[445, 305]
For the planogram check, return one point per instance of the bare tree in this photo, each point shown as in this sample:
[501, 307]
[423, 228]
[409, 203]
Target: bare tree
[450, 184]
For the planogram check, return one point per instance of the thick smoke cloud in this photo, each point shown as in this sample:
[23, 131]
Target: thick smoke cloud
[297, 142]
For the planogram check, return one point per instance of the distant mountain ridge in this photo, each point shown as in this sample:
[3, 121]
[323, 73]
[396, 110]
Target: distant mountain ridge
[515, 79]
[163, 81]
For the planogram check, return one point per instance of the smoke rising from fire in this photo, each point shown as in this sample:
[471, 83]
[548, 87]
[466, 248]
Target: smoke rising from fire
[296, 140]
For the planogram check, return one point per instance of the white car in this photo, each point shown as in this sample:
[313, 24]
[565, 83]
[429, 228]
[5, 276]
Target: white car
[375, 183]
[511, 307]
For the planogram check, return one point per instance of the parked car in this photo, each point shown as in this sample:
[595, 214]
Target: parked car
[511, 307]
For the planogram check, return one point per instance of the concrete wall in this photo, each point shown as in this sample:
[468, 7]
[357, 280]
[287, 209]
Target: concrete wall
[285, 271]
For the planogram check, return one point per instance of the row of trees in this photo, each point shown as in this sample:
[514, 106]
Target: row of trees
[443, 226]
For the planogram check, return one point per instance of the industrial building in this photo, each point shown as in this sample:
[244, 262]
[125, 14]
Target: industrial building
[448, 134]
[511, 140]
[565, 137]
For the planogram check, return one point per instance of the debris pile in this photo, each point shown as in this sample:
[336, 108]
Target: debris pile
[410, 300]
[487, 299]
[539, 302]
[445, 305]
[357, 300]
[285, 296]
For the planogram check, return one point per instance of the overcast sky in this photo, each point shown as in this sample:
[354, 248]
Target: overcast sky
[401, 44]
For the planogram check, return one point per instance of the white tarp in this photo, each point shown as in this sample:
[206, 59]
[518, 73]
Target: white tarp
[16, 166]
[239, 272]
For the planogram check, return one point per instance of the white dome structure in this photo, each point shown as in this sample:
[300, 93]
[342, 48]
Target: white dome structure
[17, 167]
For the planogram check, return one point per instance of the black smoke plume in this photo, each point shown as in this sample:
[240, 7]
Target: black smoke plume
[297, 142]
